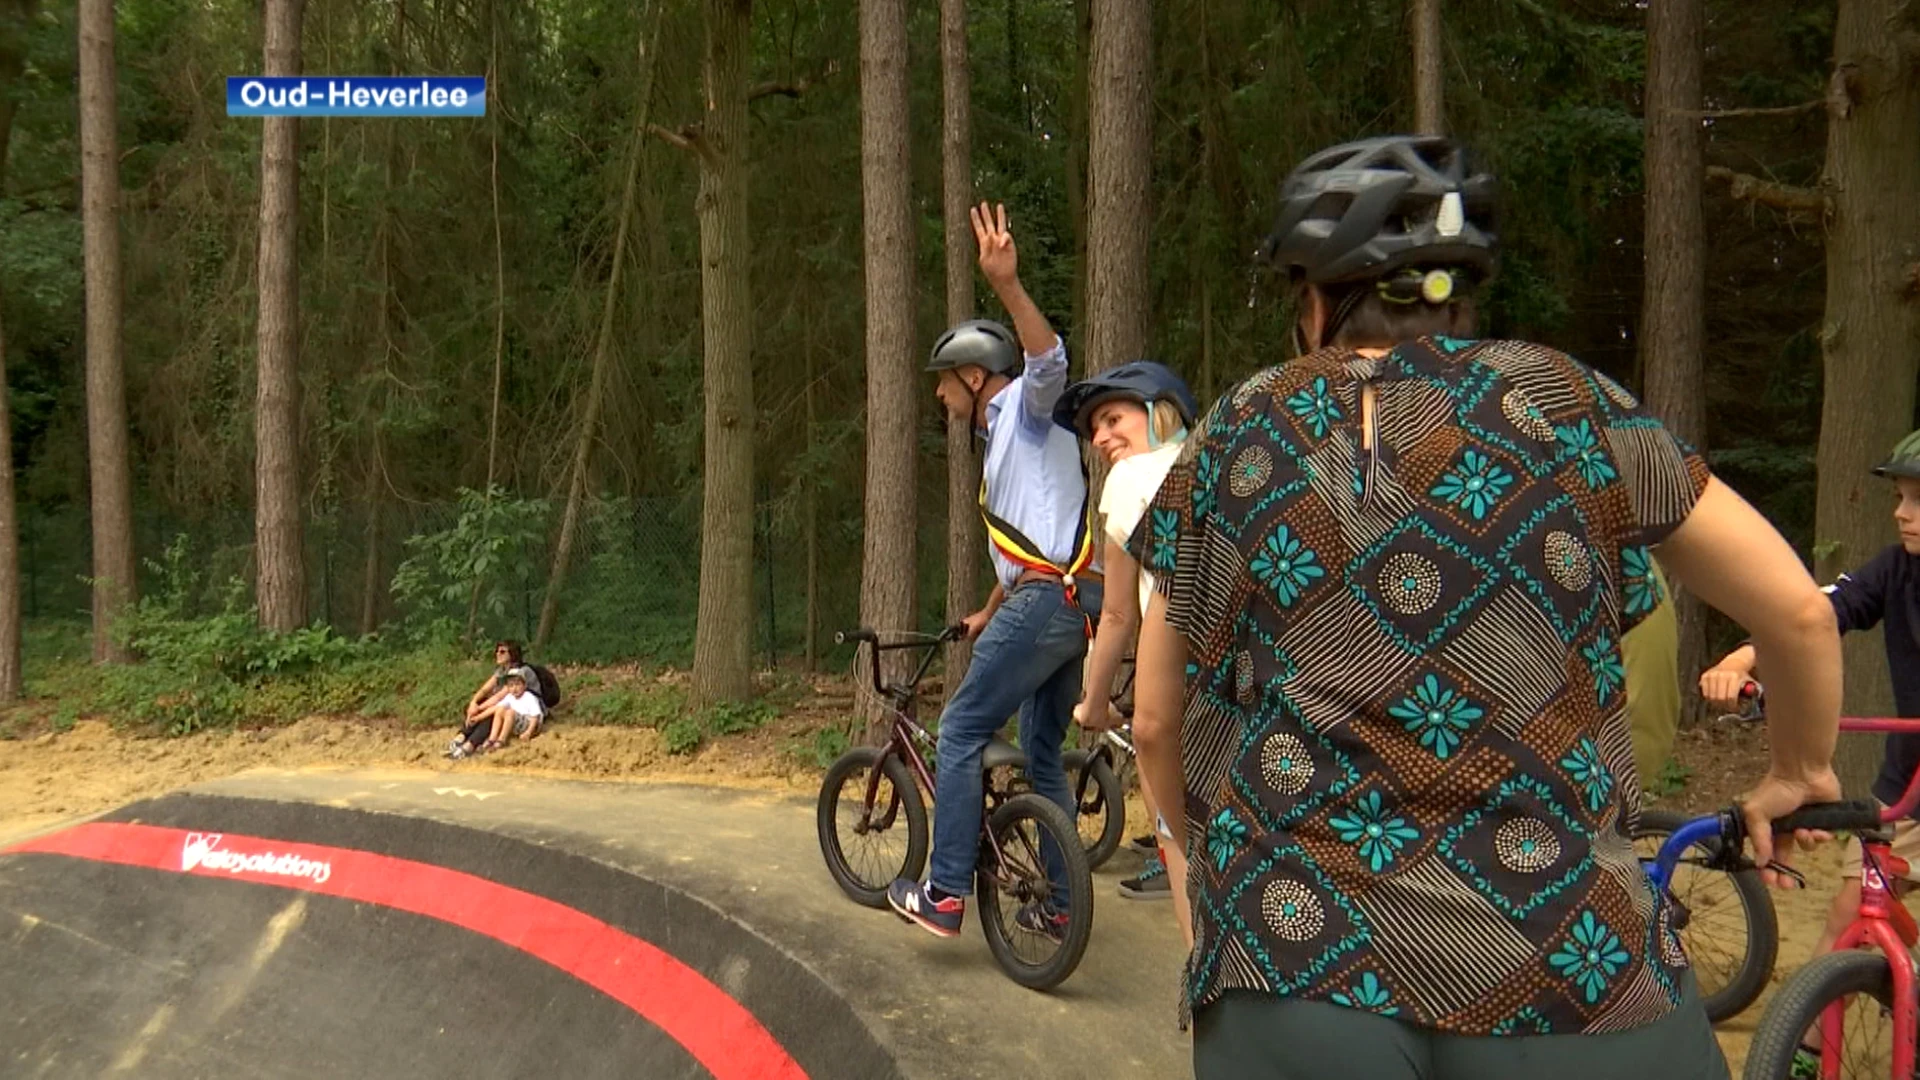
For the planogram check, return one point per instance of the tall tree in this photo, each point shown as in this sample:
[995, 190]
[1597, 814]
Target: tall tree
[723, 638]
[1120, 173]
[12, 63]
[587, 428]
[278, 550]
[109, 469]
[1673, 313]
[11, 682]
[1429, 94]
[1871, 334]
[887, 562]
[966, 537]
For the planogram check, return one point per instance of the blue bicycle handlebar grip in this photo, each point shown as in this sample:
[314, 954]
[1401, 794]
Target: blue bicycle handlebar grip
[1850, 816]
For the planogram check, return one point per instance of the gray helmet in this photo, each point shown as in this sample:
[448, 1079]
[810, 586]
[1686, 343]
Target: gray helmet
[1904, 462]
[981, 342]
[1364, 209]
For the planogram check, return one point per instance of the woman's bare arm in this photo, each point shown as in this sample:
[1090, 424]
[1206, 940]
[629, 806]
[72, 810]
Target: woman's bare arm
[1730, 556]
[1119, 621]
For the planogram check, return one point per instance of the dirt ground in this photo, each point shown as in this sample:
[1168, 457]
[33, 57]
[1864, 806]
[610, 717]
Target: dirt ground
[54, 777]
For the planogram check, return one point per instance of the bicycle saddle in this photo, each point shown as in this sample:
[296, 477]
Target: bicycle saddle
[1001, 753]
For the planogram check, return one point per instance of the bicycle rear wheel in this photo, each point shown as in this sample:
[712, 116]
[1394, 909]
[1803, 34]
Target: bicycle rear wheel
[1017, 877]
[1725, 920]
[867, 846]
[1862, 985]
[1102, 820]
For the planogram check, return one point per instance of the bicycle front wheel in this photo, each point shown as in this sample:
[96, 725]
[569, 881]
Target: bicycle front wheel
[869, 844]
[1034, 944]
[1861, 985]
[1725, 920]
[1102, 820]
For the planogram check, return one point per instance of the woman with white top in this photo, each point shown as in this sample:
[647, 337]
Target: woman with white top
[1136, 415]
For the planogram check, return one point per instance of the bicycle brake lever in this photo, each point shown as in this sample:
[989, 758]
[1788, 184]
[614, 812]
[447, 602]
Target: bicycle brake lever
[1778, 867]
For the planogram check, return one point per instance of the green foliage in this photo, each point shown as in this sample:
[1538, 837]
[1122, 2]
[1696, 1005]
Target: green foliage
[1672, 779]
[485, 555]
[683, 736]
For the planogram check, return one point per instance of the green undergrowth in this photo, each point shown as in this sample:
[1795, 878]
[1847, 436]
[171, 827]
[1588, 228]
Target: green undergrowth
[221, 671]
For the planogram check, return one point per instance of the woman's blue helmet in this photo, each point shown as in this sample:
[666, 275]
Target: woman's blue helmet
[1142, 381]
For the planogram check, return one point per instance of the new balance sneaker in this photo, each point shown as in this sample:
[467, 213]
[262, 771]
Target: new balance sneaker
[913, 902]
[1041, 917]
[1151, 884]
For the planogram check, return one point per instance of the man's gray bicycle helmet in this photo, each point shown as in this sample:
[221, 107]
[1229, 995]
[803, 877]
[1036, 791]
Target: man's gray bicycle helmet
[1904, 462]
[1364, 209]
[981, 342]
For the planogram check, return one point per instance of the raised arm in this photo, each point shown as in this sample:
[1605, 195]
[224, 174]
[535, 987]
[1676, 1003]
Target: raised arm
[1046, 374]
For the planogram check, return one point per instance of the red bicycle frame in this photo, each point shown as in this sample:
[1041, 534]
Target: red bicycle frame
[1883, 924]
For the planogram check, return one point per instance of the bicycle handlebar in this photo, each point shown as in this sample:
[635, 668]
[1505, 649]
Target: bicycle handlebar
[1852, 815]
[870, 637]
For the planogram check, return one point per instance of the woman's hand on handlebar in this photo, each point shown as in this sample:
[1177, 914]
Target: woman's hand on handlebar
[1776, 797]
[974, 623]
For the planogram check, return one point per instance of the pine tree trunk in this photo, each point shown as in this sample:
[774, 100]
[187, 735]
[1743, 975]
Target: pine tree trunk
[1429, 96]
[109, 470]
[1673, 320]
[589, 422]
[810, 647]
[1871, 333]
[887, 563]
[281, 588]
[723, 640]
[11, 681]
[1120, 142]
[1075, 154]
[966, 537]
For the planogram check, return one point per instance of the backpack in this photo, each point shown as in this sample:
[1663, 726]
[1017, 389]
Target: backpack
[549, 686]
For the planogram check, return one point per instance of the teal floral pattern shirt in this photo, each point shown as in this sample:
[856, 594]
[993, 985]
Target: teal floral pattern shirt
[1409, 776]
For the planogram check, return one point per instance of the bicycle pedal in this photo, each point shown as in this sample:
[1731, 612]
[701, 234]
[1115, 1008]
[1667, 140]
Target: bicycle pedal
[1799, 879]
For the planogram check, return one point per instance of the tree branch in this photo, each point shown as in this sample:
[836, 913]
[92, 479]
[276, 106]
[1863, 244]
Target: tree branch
[687, 138]
[1787, 197]
[1783, 110]
[798, 86]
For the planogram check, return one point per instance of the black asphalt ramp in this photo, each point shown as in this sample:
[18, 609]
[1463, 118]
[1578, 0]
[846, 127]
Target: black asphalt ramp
[205, 936]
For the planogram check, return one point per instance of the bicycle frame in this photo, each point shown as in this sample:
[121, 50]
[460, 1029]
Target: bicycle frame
[1883, 924]
[905, 733]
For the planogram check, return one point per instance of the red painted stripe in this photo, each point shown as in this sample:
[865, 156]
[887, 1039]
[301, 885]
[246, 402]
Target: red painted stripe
[717, 1030]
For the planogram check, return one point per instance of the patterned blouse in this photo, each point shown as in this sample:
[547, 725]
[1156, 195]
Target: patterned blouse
[1405, 744]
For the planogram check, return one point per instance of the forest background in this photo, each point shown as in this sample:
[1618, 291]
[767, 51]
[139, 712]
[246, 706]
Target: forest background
[630, 367]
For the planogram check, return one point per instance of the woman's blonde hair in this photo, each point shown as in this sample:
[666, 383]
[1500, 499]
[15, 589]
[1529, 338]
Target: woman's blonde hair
[1165, 423]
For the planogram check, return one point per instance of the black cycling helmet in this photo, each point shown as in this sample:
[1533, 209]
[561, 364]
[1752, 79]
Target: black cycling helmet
[1903, 462]
[981, 342]
[1363, 209]
[1143, 381]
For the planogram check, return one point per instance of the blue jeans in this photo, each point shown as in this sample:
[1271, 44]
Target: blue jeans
[1027, 660]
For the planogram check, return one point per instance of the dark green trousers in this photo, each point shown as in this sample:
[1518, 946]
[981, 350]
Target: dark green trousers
[1250, 1036]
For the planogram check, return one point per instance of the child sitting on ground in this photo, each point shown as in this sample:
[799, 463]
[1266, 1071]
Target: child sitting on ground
[518, 711]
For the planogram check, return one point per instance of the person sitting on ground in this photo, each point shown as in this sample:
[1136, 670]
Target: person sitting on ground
[1885, 590]
[1136, 416]
[506, 655]
[1382, 665]
[517, 711]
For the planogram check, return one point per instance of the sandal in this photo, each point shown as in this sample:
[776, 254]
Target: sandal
[492, 745]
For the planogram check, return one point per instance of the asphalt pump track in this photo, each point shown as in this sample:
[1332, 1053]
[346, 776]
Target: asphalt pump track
[402, 925]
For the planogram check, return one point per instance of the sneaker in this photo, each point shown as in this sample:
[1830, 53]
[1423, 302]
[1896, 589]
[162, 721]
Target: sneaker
[1806, 1063]
[911, 901]
[1041, 917]
[460, 750]
[1146, 844]
[1151, 884]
